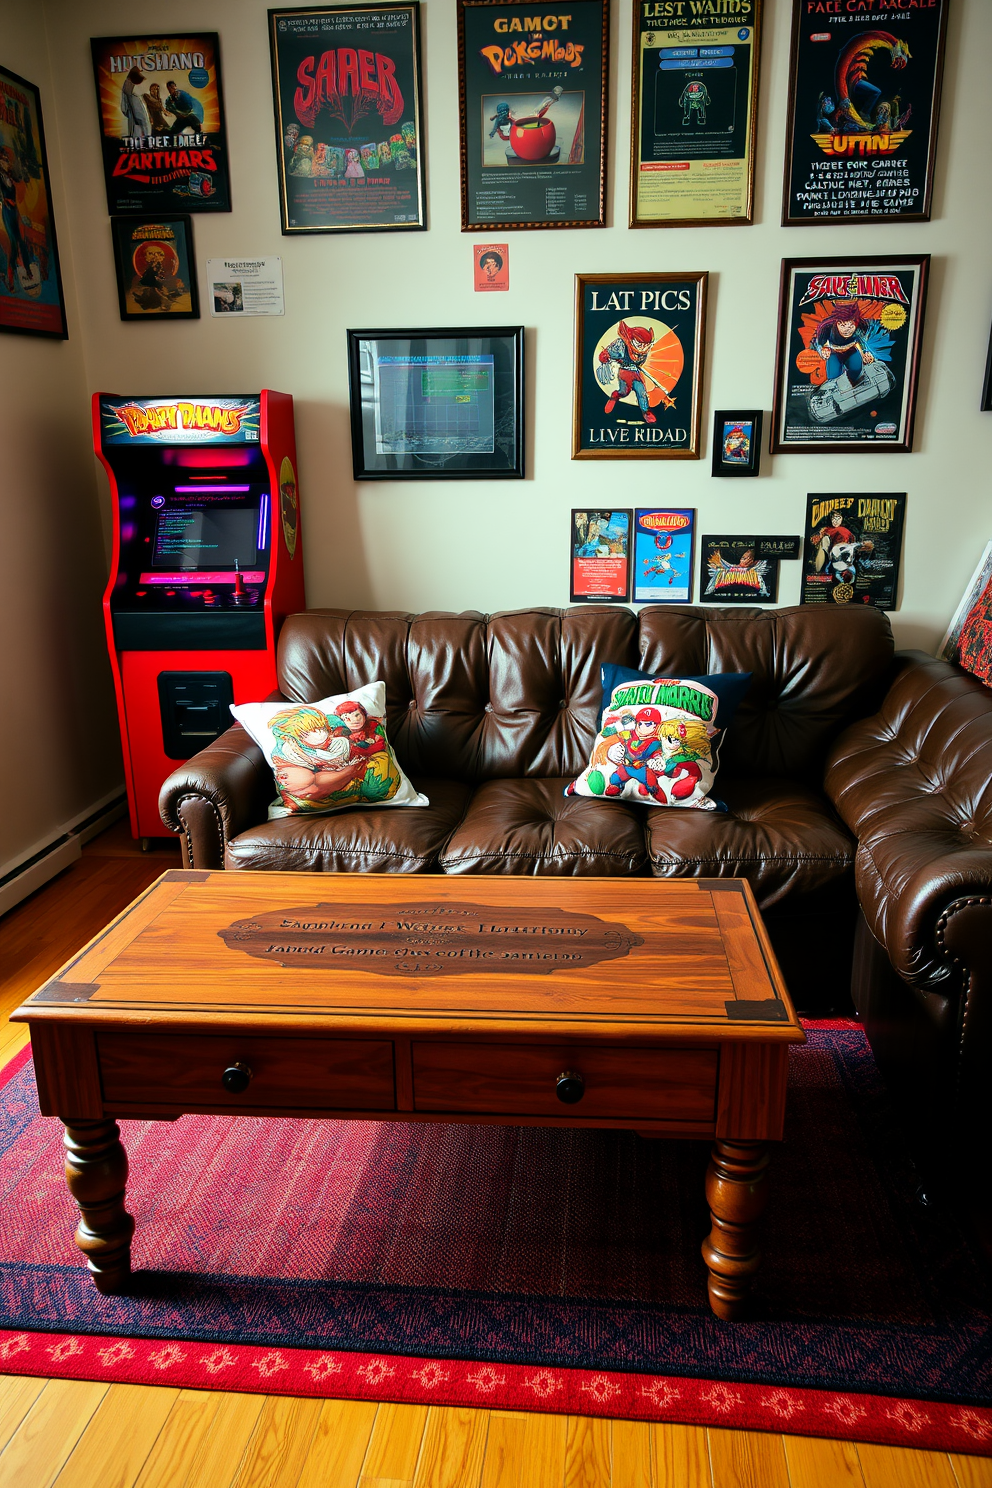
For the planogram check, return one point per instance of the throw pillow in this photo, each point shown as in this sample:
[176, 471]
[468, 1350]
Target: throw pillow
[329, 754]
[659, 738]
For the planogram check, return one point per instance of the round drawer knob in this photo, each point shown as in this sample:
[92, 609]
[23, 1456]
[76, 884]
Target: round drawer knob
[570, 1087]
[236, 1078]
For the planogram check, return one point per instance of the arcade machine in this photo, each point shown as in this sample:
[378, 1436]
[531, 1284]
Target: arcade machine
[206, 563]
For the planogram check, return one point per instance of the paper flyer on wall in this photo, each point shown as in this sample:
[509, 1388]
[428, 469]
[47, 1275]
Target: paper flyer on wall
[663, 543]
[245, 286]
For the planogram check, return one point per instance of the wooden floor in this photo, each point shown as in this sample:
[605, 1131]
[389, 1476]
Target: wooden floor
[80, 1435]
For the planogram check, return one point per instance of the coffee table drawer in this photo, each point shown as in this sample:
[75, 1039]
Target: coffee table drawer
[522, 1079]
[163, 1069]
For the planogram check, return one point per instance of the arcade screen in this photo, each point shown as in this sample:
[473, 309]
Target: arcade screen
[205, 539]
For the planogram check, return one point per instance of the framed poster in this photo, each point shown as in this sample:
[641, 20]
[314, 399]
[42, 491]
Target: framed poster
[987, 384]
[736, 442]
[156, 269]
[968, 639]
[733, 571]
[349, 118]
[31, 299]
[532, 87]
[600, 556]
[438, 404]
[864, 97]
[849, 336]
[853, 548]
[638, 366]
[694, 109]
[162, 122]
[663, 555]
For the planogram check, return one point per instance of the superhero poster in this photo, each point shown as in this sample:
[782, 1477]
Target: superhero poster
[349, 119]
[864, 98]
[532, 87]
[31, 300]
[600, 556]
[734, 570]
[695, 103]
[162, 122]
[848, 354]
[638, 366]
[663, 555]
[853, 548]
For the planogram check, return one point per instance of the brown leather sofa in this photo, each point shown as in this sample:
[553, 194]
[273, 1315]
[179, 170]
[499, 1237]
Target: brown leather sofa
[850, 775]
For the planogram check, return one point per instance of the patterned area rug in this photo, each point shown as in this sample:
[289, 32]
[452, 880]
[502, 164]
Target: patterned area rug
[522, 1268]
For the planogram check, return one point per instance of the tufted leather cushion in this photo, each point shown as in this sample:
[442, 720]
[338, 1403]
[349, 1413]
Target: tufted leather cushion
[355, 840]
[782, 837]
[913, 783]
[473, 697]
[813, 672]
[531, 826]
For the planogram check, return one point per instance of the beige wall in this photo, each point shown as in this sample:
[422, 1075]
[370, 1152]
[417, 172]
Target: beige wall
[503, 544]
[59, 749]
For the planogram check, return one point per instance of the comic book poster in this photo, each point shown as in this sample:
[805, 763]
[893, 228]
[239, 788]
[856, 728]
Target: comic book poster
[663, 553]
[31, 299]
[734, 571]
[532, 93]
[864, 96]
[853, 548]
[969, 636]
[848, 354]
[162, 122]
[156, 271]
[695, 101]
[600, 554]
[638, 366]
[349, 118]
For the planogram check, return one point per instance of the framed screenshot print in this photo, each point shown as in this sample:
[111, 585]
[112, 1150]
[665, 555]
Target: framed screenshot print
[156, 269]
[436, 405]
[600, 556]
[853, 548]
[31, 301]
[532, 88]
[694, 109]
[736, 442]
[849, 335]
[162, 123]
[349, 118]
[864, 96]
[638, 366]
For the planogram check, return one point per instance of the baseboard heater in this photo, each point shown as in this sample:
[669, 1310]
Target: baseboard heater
[36, 869]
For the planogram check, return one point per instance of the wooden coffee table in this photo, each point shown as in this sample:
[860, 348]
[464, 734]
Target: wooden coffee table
[638, 1003]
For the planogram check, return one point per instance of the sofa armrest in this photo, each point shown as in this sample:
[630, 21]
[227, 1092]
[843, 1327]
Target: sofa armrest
[913, 784]
[220, 792]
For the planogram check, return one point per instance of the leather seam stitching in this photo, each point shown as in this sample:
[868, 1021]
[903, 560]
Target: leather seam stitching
[218, 822]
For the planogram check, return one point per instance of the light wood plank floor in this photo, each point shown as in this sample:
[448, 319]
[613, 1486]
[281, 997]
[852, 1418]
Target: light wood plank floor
[81, 1435]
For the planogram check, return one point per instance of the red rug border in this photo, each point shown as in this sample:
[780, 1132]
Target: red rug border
[419, 1380]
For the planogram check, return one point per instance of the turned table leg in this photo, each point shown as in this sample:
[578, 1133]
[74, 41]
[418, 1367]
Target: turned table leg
[96, 1171]
[737, 1191]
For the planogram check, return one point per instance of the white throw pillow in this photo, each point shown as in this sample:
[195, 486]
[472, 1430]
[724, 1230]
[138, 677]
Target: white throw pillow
[329, 754]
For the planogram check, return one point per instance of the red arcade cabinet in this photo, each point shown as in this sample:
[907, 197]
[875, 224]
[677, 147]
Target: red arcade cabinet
[206, 563]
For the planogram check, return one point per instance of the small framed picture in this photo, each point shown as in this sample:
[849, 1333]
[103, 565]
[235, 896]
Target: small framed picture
[734, 571]
[437, 404]
[736, 442]
[600, 556]
[663, 555]
[156, 268]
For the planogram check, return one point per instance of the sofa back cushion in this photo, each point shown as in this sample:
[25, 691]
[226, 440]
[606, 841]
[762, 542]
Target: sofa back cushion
[476, 697]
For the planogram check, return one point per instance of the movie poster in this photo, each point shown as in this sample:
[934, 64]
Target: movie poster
[695, 98]
[156, 274]
[349, 119]
[864, 96]
[163, 123]
[663, 553]
[31, 299]
[532, 92]
[735, 571]
[600, 552]
[848, 353]
[853, 548]
[638, 366]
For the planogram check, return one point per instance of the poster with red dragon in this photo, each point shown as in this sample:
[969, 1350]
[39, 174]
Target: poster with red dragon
[349, 118]
[864, 96]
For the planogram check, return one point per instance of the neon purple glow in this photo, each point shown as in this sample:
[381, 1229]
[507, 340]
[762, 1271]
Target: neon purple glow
[263, 523]
[127, 502]
[128, 531]
[199, 490]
